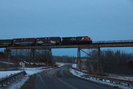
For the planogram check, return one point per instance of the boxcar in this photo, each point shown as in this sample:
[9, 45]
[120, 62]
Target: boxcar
[17, 41]
[29, 41]
[48, 40]
[24, 41]
[6, 42]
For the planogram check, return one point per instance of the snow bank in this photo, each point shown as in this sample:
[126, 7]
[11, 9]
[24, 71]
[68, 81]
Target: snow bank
[74, 65]
[10, 63]
[76, 73]
[59, 64]
[19, 83]
[4, 74]
[31, 71]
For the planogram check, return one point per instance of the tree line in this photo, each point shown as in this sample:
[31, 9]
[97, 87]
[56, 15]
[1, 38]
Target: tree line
[116, 62]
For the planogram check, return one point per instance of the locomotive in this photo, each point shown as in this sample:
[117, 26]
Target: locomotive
[46, 41]
[76, 40]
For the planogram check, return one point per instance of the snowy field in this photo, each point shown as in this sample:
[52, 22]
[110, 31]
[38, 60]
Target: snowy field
[79, 74]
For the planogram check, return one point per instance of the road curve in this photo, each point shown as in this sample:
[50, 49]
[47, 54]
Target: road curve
[61, 78]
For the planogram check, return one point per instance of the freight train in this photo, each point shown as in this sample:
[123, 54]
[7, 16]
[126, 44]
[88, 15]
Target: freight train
[46, 41]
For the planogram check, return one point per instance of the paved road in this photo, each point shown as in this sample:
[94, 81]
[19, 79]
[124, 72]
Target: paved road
[61, 78]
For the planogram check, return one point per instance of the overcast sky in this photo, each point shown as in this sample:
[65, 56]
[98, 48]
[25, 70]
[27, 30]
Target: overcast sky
[98, 19]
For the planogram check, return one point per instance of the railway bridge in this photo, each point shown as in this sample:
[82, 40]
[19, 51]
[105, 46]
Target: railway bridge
[80, 48]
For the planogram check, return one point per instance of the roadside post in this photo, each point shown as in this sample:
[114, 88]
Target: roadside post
[22, 64]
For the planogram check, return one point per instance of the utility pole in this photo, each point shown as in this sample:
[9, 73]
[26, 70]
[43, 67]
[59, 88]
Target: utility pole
[78, 59]
[8, 53]
[99, 61]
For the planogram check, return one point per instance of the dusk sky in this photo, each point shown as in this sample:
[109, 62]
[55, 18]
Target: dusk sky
[99, 19]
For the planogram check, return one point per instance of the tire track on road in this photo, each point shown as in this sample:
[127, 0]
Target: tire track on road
[72, 87]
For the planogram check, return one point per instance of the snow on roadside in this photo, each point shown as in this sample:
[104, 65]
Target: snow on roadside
[4, 74]
[31, 71]
[74, 65]
[79, 74]
[120, 77]
[20, 82]
[59, 64]
[10, 63]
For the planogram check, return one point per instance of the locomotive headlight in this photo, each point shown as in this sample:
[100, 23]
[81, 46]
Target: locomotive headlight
[82, 38]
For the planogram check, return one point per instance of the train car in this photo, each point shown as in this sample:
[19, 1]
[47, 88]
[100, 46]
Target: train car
[76, 40]
[24, 41]
[6, 42]
[48, 41]
[29, 41]
[17, 41]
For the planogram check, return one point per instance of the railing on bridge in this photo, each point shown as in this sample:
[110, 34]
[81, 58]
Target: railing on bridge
[114, 41]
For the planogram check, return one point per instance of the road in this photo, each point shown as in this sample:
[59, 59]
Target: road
[61, 78]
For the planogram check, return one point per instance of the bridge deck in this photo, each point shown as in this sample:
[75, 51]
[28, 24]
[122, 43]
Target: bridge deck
[127, 44]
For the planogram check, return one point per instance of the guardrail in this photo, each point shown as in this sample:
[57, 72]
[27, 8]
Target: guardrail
[108, 80]
[10, 79]
[113, 41]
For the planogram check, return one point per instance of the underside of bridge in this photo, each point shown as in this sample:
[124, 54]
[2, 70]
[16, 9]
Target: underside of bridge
[88, 57]
[33, 55]
[91, 59]
[45, 55]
